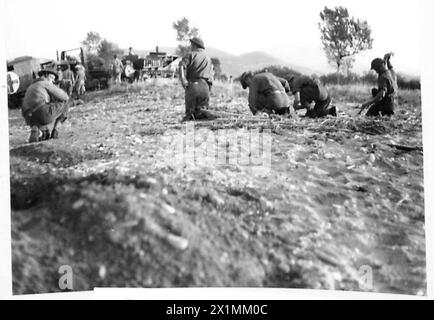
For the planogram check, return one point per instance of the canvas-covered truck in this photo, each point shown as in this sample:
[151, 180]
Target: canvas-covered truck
[26, 68]
[97, 75]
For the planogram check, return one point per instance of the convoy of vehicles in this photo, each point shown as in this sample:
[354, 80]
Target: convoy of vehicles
[23, 71]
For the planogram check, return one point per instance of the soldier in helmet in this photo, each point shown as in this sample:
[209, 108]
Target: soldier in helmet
[267, 93]
[43, 104]
[383, 97]
[195, 73]
[307, 90]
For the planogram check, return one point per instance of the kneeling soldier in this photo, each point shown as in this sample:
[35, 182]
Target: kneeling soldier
[307, 90]
[267, 93]
[43, 104]
[383, 97]
[196, 74]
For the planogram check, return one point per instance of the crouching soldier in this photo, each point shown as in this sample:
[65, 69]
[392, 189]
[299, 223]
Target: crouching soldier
[195, 73]
[307, 90]
[267, 93]
[43, 104]
[383, 97]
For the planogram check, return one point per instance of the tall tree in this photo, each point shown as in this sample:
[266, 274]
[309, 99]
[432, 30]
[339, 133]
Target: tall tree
[343, 36]
[183, 34]
[92, 42]
[107, 49]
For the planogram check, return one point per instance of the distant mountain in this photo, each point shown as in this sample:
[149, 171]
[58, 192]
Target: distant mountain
[235, 65]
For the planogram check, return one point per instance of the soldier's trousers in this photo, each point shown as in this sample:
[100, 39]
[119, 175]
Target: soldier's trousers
[321, 109]
[278, 102]
[47, 114]
[197, 98]
[385, 107]
[80, 89]
[67, 86]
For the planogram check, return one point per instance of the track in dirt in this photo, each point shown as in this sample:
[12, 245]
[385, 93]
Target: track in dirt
[114, 198]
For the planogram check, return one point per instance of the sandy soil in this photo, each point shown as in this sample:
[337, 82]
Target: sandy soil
[117, 200]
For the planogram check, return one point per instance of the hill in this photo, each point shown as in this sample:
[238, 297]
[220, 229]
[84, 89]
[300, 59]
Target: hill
[235, 65]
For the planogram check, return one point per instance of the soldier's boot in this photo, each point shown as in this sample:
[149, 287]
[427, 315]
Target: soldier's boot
[333, 111]
[45, 135]
[54, 134]
[205, 115]
[34, 134]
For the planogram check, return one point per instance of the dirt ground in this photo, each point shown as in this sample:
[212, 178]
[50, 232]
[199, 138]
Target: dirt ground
[116, 201]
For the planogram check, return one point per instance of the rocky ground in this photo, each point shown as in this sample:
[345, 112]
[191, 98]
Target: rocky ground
[123, 200]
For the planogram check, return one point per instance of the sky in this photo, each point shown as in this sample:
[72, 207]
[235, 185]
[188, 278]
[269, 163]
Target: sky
[286, 29]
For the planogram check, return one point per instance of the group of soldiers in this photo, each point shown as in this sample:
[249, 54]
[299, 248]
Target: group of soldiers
[45, 103]
[270, 94]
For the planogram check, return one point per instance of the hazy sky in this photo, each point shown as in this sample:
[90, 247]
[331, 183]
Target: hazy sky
[286, 29]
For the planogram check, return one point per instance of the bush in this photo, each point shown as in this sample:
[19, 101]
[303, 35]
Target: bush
[368, 79]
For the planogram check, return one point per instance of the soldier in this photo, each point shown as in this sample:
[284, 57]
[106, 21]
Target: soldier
[195, 73]
[383, 97]
[307, 90]
[267, 93]
[118, 67]
[43, 104]
[68, 80]
[80, 81]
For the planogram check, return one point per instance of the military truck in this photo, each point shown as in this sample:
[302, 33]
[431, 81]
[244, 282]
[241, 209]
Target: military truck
[97, 75]
[26, 68]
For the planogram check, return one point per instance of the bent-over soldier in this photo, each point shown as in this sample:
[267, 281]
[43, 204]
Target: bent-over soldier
[307, 90]
[267, 93]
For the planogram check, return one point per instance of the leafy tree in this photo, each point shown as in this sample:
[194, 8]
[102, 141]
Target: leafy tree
[107, 49]
[183, 34]
[343, 36]
[92, 42]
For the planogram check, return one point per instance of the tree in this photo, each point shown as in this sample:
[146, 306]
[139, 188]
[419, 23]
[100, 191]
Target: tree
[92, 42]
[107, 49]
[343, 36]
[183, 34]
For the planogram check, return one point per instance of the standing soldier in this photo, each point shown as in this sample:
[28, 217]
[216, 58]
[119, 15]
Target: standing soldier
[118, 67]
[68, 80]
[195, 73]
[80, 81]
[383, 97]
[307, 90]
[43, 104]
[267, 93]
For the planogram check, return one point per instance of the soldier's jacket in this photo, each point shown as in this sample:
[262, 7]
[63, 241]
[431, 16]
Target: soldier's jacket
[263, 88]
[198, 66]
[387, 83]
[310, 89]
[42, 92]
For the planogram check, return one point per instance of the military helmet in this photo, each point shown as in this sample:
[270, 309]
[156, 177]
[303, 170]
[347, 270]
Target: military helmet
[244, 77]
[198, 41]
[48, 71]
[377, 63]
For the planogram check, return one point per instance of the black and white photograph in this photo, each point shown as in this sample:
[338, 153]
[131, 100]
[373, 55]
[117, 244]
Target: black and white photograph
[215, 144]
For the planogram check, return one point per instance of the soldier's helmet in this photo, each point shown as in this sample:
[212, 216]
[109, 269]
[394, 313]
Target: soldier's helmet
[198, 41]
[46, 71]
[244, 77]
[377, 63]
